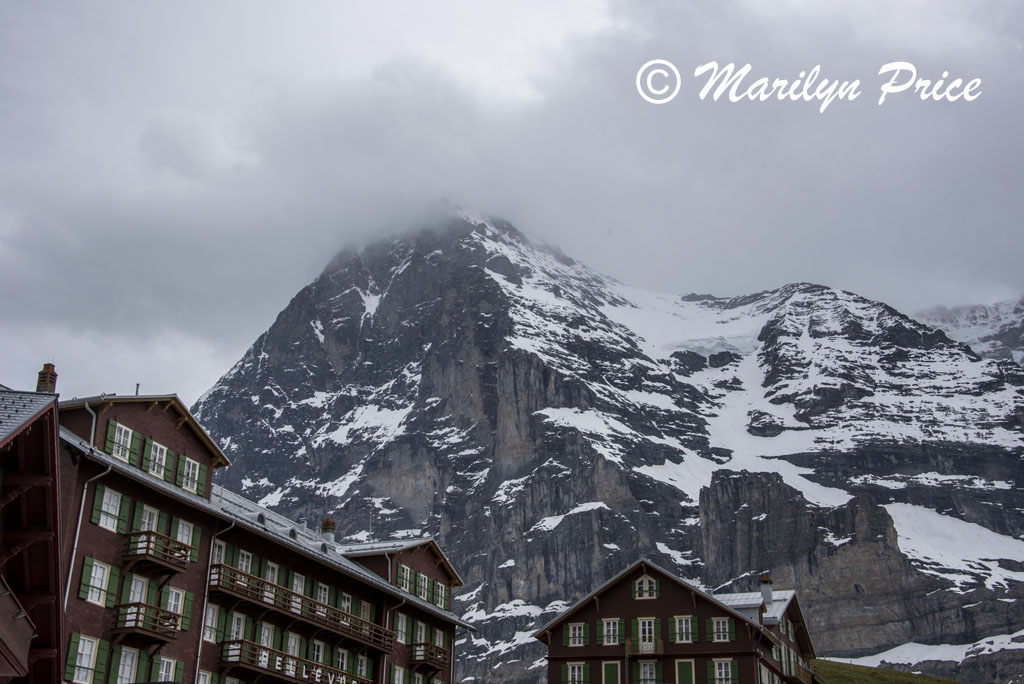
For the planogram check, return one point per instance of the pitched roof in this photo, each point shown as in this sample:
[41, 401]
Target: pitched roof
[648, 564]
[18, 409]
[752, 599]
[219, 459]
[393, 546]
[249, 515]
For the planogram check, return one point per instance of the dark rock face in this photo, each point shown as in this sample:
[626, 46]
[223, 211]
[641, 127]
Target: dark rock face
[549, 426]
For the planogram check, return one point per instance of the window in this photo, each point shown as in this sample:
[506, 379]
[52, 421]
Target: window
[210, 623]
[204, 678]
[647, 635]
[576, 634]
[399, 677]
[126, 668]
[318, 652]
[98, 583]
[721, 629]
[723, 672]
[401, 624]
[122, 447]
[421, 586]
[648, 673]
[684, 629]
[403, 577]
[166, 669]
[157, 459]
[418, 678]
[175, 599]
[765, 675]
[270, 573]
[346, 603]
[110, 510]
[191, 479]
[245, 561]
[646, 587]
[85, 660]
[343, 659]
[611, 632]
[323, 595]
[218, 553]
[576, 673]
[361, 666]
[299, 587]
[185, 530]
[442, 600]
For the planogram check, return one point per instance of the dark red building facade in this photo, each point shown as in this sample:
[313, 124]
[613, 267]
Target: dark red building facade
[646, 626]
[171, 578]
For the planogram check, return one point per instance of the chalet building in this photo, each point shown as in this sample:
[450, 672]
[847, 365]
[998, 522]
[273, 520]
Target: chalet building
[173, 579]
[31, 642]
[646, 626]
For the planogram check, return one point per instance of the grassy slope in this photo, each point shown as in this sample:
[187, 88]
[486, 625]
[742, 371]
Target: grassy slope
[841, 673]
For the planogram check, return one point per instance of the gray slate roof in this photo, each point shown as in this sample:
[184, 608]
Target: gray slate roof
[232, 507]
[781, 599]
[18, 408]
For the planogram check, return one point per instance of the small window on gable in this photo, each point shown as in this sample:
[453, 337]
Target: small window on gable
[576, 634]
[190, 481]
[721, 629]
[122, 447]
[157, 459]
[646, 588]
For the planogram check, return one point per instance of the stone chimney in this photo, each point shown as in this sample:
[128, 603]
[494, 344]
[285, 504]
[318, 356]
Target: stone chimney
[47, 381]
[327, 529]
[766, 591]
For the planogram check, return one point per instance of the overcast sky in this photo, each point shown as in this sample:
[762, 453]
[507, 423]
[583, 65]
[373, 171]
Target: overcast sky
[171, 173]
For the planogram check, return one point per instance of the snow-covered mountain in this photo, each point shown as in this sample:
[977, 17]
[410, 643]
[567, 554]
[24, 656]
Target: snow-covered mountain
[995, 332]
[550, 425]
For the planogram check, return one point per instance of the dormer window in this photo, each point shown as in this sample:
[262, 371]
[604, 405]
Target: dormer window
[646, 588]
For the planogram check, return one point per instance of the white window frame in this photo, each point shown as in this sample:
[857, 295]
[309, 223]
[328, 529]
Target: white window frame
[245, 561]
[646, 587]
[157, 459]
[190, 480]
[613, 623]
[210, 623]
[98, 586]
[219, 548]
[575, 634]
[649, 667]
[422, 586]
[122, 447]
[361, 665]
[110, 510]
[319, 650]
[575, 672]
[85, 660]
[166, 669]
[723, 671]
[401, 625]
[298, 587]
[719, 629]
[399, 674]
[682, 620]
[175, 601]
[323, 596]
[185, 525]
[417, 678]
[127, 677]
[204, 677]
[404, 577]
[441, 590]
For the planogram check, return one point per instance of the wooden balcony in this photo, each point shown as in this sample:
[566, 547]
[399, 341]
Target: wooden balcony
[430, 655]
[143, 622]
[151, 547]
[273, 665]
[265, 594]
[16, 632]
[640, 647]
[801, 675]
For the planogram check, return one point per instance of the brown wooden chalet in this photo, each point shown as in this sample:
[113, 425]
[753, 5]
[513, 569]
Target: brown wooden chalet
[173, 579]
[647, 626]
[31, 642]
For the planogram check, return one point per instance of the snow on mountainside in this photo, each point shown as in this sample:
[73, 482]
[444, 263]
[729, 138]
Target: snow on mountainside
[995, 332]
[464, 374]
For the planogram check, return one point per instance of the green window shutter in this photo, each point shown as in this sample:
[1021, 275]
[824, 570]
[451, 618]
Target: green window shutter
[147, 454]
[154, 671]
[369, 668]
[83, 589]
[123, 514]
[137, 518]
[636, 672]
[278, 639]
[586, 673]
[659, 672]
[231, 558]
[69, 664]
[174, 527]
[622, 631]
[373, 612]
[694, 634]
[133, 453]
[408, 630]
[179, 669]
[632, 590]
[222, 625]
[357, 606]
[732, 629]
[332, 597]
[114, 575]
[391, 675]
[598, 629]
[672, 637]
[565, 635]
[710, 634]
[711, 672]
[634, 629]
[164, 593]
[115, 663]
[565, 673]
[97, 503]
[151, 593]
[201, 489]
[186, 611]
[197, 537]
[162, 522]
[111, 431]
[684, 673]
[734, 670]
[249, 635]
[657, 588]
[126, 587]
[102, 653]
[179, 476]
[307, 589]
[170, 458]
[657, 628]
[433, 591]
[586, 634]
[611, 674]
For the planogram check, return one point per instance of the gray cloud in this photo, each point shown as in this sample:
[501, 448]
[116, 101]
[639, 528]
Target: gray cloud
[173, 175]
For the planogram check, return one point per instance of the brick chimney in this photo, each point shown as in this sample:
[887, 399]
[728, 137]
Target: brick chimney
[766, 591]
[47, 381]
[327, 529]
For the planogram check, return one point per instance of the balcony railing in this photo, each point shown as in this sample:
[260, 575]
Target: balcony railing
[16, 630]
[291, 668]
[645, 646]
[150, 545]
[429, 654]
[802, 675]
[146, 621]
[293, 604]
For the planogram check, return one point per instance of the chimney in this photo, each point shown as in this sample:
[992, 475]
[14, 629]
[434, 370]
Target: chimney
[47, 381]
[766, 591]
[327, 529]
